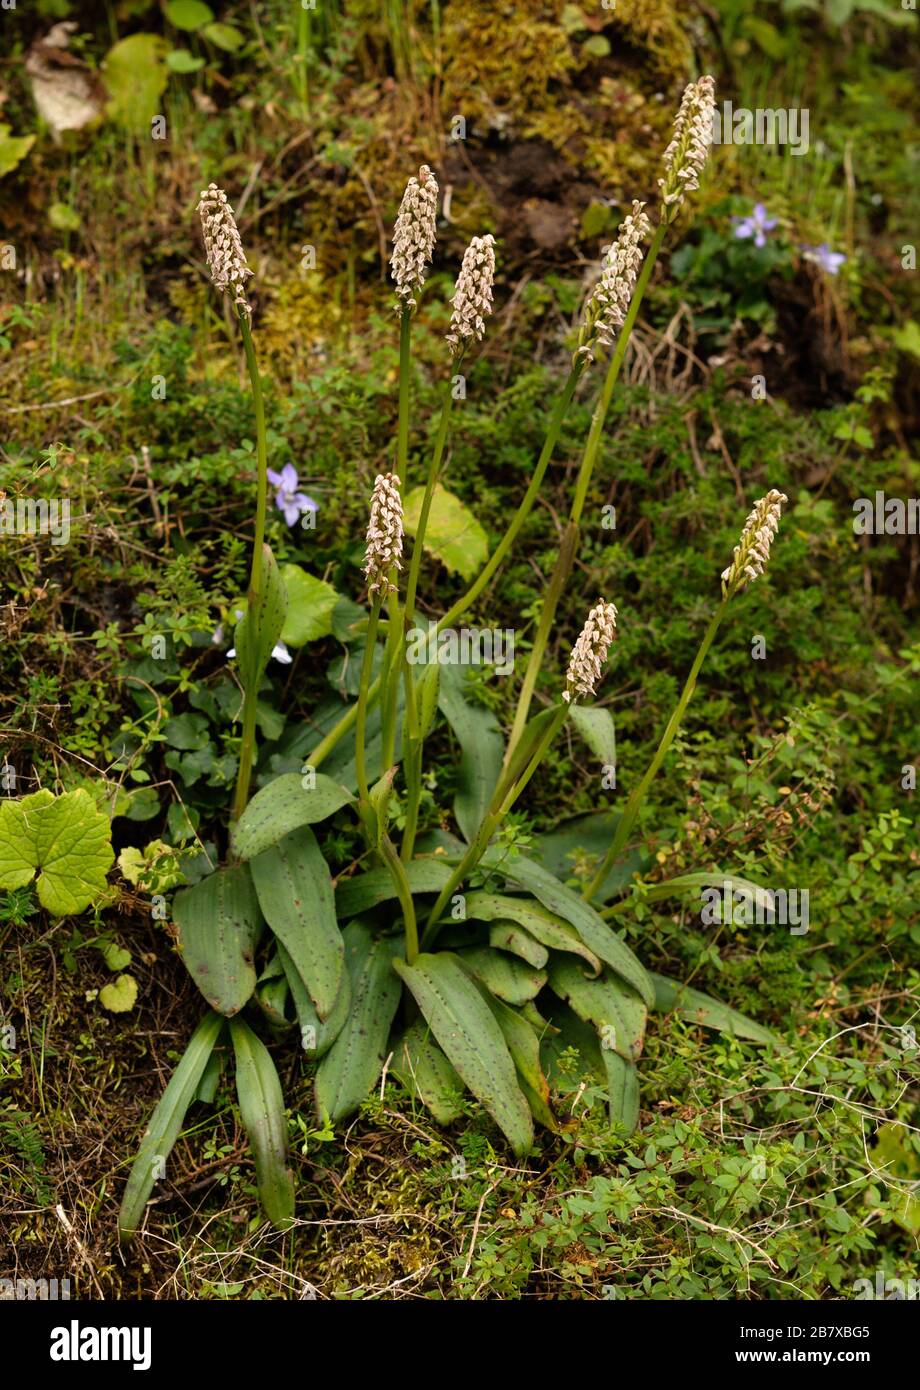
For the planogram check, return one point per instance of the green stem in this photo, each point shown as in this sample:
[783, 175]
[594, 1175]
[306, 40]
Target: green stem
[405, 363]
[566, 557]
[637, 796]
[434, 470]
[527, 502]
[404, 893]
[390, 675]
[489, 825]
[561, 572]
[367, 666]
[250, 696]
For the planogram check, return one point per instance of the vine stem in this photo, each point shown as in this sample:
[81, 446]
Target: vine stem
[247, 745]
[637, 795]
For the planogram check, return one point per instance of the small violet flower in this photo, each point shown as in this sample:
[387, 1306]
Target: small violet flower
[756, 226]
[829, 261]
[287, 499]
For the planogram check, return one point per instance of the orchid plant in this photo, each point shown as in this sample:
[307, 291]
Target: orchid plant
[457, 962]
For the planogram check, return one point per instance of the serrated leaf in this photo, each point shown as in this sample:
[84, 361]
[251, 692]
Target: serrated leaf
[504, 976]
[259, 629]
[350, 1069]
[616, 1011]
[311, 603]
[294, 889]
[546, 928]
[283, 806]
[119, 996]
[219, 923]
[66, 838]
[481, 750]
[672, 996]
[420, 1065]
[472, 1040]
[364, 891]
[262, 1109]
[316, 1034]
[453, 535]
[166, 1122]
[591, 927]
[508, 936]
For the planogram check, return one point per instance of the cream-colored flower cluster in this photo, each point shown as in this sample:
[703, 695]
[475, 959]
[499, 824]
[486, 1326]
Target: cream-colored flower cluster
[605, 311]
[414, 236]
[685, 156]
[753, 550]
[223, 247]
[586, 664]
[384, 534]
[472, 299]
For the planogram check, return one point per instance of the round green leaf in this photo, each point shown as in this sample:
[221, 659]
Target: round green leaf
[180, 60]
[135, 74]
[225, 36]
[120, 996]
[188, 14]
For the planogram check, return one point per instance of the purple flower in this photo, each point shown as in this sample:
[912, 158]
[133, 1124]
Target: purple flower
[757, 225]
[287, 499]
[822, 255]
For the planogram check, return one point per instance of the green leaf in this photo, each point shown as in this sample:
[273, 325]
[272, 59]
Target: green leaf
[166, 1122]
[524, 1046]
[64, 218]
[623, 1092]
[504, 976]
[316, 1035]
[188, 14]
[310, 605]
[426, 1073]
[262, 1109]
[429, 689]
[219, 924]
[524, 750]
[13, 149]
[66, 838]
[481, 750]
[182, 61]
[259, 629]
[597, 729]
[453, 535]
[761, 899]
[187, 732]
[294, 889]
[352, 1066]
[672, 996]
[547, 929]
[616, 1011]
[119, 996]
[592, 928]
[364, 891]
[906, 338]
[588, 838]
[508, 936]
[283, 806]
[135, 74]
[466, 1029]
[225, 36]
[115, 956]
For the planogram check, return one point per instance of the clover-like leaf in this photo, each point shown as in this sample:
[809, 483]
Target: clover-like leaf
[66, 838]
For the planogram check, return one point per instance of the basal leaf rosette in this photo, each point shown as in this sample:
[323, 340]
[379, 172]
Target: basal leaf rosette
[65, 839]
